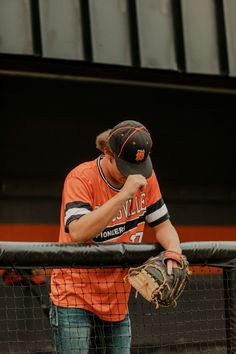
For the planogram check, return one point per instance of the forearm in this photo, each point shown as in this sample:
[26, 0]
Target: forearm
[92, 224]
[167, 236]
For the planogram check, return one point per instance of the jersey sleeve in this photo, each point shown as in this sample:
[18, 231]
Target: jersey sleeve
[77, 199]
[157, 211]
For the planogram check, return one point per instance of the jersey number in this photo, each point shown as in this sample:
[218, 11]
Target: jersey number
[136, 238]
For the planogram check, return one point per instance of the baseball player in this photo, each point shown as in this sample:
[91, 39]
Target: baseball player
[108, 199]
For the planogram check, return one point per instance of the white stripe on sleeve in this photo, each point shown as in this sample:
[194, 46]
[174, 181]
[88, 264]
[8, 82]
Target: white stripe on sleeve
[157, 214]
[74, 212]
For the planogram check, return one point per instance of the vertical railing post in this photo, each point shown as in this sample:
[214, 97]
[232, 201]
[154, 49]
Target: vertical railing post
[229, 275]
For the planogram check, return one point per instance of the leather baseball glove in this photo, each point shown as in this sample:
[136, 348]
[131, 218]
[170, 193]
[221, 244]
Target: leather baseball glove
[153, 282]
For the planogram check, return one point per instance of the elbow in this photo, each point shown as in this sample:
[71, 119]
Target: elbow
[76, 233]
[76, 237]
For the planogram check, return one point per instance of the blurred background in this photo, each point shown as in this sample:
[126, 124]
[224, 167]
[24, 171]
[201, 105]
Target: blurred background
[70, 69]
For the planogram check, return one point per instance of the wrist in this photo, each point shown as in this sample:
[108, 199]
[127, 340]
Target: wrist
[124, 195]
[174, 249]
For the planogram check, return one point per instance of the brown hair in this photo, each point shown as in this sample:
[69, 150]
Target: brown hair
[101, 140]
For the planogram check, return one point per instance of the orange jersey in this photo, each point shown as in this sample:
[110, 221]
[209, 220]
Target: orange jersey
[102, 291]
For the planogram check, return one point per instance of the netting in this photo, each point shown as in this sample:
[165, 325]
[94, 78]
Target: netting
[202, 322]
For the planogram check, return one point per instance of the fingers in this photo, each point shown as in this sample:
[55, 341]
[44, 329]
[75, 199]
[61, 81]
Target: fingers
[134, 183]
[170, 265]
[139, 181]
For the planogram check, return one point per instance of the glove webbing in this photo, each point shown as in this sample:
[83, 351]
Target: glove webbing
[159, 289]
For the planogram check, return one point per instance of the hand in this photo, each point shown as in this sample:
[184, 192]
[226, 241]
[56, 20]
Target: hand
[133, 184]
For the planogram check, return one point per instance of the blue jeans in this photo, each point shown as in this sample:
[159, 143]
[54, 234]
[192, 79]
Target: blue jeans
[77, 330]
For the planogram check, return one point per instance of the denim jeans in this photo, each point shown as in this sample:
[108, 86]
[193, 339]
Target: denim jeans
[77, 330]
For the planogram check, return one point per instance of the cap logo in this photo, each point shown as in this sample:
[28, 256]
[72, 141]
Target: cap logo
[140, 155]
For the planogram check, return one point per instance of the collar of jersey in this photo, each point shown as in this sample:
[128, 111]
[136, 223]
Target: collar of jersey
[103, 176]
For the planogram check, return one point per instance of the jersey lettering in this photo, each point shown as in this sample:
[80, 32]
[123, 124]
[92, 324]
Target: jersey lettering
[132, 207]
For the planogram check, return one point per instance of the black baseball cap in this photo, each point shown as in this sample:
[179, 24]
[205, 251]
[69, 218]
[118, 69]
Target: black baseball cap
[131, 144]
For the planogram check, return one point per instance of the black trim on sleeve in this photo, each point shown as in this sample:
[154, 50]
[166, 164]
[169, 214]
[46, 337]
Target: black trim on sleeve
[72, 218]
[155, 206]
[78, 204]
[160, 220]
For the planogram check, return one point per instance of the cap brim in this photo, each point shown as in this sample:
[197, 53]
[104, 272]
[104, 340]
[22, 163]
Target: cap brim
[144, 168]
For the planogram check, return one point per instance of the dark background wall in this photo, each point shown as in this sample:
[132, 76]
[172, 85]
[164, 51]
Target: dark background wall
[49, 126]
